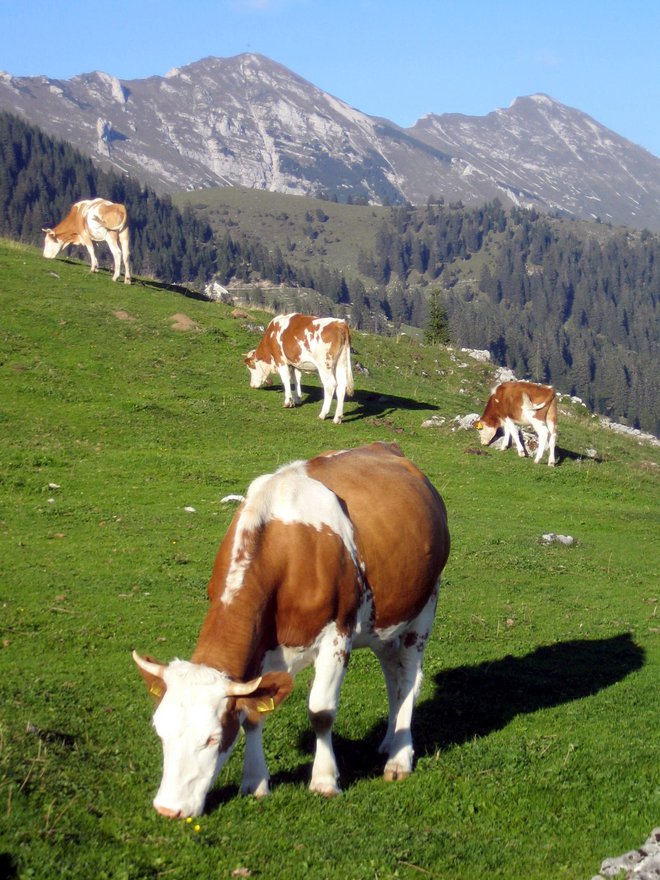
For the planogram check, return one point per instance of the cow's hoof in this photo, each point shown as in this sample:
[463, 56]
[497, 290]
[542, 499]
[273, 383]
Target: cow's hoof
[325, 785]
[395, 774]
[258, 789]
[289, 405]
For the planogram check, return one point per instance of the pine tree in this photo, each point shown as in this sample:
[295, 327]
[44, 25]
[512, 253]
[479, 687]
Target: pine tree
[436, 331]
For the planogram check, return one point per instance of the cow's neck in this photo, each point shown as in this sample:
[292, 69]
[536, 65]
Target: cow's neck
[235, 635]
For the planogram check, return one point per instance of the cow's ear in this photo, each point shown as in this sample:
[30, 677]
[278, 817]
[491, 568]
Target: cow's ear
[273, 688]
[153, 674]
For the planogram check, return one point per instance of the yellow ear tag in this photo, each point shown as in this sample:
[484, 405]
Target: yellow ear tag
[266, 705]
[156, 690]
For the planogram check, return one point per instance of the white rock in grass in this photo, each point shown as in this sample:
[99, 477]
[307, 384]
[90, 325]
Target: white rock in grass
[551, 538]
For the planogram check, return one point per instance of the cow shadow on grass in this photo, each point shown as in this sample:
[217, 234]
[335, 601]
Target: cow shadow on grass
[362, 405]
[474, 701]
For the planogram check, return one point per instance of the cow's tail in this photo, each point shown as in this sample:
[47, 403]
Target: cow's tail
[346, 355]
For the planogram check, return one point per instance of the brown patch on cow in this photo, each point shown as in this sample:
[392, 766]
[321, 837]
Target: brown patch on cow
[123, 315]
[183, 323]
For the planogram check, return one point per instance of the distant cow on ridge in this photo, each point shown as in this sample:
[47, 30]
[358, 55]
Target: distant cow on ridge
[294, 343]
[88, 221]
[521, 403]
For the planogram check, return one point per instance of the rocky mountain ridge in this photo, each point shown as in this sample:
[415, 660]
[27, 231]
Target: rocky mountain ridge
[248, 120]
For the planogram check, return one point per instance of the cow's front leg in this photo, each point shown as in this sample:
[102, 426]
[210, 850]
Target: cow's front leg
[285, 376]
[92, 256]
[255, 772]
[511, 432]
[330, 669]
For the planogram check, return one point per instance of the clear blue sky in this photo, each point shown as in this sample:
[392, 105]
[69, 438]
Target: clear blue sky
[399, 59]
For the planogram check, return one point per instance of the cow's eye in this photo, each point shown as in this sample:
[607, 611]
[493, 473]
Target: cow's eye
[213, 740]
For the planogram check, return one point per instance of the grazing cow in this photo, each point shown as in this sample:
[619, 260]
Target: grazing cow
[339, 552]
[89, 221]
[521, 403]
[295, 343]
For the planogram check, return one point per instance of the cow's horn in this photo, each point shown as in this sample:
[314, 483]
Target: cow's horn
[149, 666]
[242, 688]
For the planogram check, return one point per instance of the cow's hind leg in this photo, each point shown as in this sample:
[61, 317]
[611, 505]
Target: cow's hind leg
[341, 393]
[297, 379]
[113, 244]
[552, 431]
[124, 244]
[329, 387]
[542, 433]
[401, 662]
[330, 668]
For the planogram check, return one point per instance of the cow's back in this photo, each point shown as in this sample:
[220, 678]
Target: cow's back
[400, 522]
[72, 225]
[509, 400]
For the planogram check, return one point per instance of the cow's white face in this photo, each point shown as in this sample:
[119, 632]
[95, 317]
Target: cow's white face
[197, 720]
[259, 370]
[52, 244]
[486, 433]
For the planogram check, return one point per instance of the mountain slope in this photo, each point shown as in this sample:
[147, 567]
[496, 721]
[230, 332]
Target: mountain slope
[248, 120]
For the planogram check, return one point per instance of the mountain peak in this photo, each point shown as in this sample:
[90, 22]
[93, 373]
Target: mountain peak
[249, 120]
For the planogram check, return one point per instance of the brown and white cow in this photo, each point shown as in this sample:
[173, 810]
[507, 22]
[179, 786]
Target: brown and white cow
[521, 403]
[339, 552]
[88, 221]
[294, 343]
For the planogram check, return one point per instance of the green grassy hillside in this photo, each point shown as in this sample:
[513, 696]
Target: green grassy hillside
[307, 230]
[536, 727]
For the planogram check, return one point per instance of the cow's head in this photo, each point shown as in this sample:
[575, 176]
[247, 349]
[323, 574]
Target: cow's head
[259, 370]
[199, 713]
[486, 432]
[52, 244]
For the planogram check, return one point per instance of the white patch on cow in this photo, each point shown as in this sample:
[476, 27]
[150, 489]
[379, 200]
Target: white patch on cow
[289, 495]
[293, 659]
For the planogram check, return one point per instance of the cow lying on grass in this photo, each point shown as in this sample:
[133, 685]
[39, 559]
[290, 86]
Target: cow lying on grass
[301, 343]
[89, 221]
[521, 403]
[340, 552]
